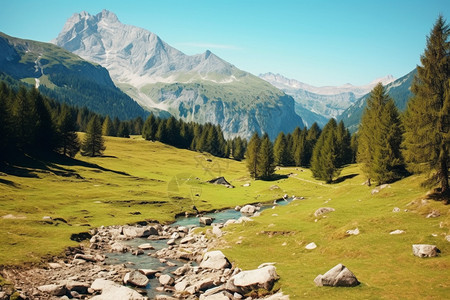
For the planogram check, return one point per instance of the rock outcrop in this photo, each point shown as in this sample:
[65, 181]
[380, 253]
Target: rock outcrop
[338, 276]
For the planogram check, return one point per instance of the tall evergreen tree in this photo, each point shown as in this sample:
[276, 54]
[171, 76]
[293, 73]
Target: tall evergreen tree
[69, 143]
[265, 163]
[124, 130]
[426, 120]
[280, 149]
[238, 151]
[150, 128]
[380, 136]
[93, 143]
[252, 155]
[344, 140]
[311, 139]
[22, 119]
[324, 163]
[108, 127]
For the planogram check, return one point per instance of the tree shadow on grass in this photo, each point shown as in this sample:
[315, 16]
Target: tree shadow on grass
[343, 178]
[25, 165]
[275, 177]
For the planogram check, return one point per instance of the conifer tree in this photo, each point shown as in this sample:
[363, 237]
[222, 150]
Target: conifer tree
[238, 151]
[380, 137]
[124, 130]
[265, 163]
[311, 139]
[300, 149]
[69, 143]
[324, 163]
[108, 127]
[426, 120]
[280, 150]
[93, 143]
[343, 140]
[150, 128]
[22, 119]
[252, 155]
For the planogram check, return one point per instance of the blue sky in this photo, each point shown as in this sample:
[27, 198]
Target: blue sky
[318, 42]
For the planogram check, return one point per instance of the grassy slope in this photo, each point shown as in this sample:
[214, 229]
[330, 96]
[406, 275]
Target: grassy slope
[383, 263]
[134, 176]
[134, 173]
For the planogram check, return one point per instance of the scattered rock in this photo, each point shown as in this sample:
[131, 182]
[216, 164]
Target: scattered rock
[54, 265]
[353, 231]
[447, 237]
[76, 286]
[221, 181]
[247, 281]
[398, 231]
[311, 246]
[337, 276]
[214, 260]
[136, 278]
[188, 239]
[53, 289]
[396, 210]
[146, 246]
[237, 208]
[423, 250]
[246, 184]
[217, 231]
[248, 209]
[166, 280]
[434, 214]
[205, 220]
[148, 272]
[323, 210]
[111, 290]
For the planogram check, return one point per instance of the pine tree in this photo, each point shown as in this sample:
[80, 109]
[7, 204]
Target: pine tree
[426, 120]
[108, 127]
[280, 150]
[311, 139]
[354, 146]
[265, 163]
[343, 141]
[69, 143]
[22, 119]
[93, 143]
[300, 149]
[150, 128]
[252, 155]
[238, 151]
[380, 136]
[124, 130]
[324, 163]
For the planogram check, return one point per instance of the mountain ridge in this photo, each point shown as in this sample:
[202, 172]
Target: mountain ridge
[157, 75]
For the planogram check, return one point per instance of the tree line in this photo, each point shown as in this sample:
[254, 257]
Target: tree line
[193, 136]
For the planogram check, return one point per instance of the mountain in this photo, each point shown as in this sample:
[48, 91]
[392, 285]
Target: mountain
[65, 77]
[326, 101]
[399, 90]
[201, 88]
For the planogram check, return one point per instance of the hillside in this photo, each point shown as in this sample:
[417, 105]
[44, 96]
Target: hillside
[121, 188]
[399, 90]
[64, 77]
[201, 88]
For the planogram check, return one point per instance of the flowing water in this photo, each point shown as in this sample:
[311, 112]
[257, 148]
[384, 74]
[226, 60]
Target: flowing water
[148, 262]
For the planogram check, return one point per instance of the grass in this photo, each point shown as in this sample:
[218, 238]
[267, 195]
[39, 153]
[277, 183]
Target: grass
[138, 180]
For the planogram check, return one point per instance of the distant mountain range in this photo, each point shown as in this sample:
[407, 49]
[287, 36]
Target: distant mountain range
[201, 88]
[399, 90]
[319, 104]
[64, 76]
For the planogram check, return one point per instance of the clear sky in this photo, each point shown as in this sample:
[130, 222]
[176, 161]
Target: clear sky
[318, 42]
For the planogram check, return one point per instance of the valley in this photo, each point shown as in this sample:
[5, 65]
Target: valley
[134, 181]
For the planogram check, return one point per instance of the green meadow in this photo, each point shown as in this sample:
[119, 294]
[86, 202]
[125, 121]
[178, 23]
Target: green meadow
[137, 180]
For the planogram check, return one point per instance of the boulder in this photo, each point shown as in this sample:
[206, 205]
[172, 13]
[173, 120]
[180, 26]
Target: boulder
[77, 286]
[246, 281]
[188, 239]
[423, 250]
[53, 289]
[205, 220]
[85, 257]
[111, 290]
[214, 260]
[119, 247]
[396, 210]
[337, 276]
[181, 286]
[311, 246]
[219, 296]
[248, 209]
[148, 272]
[166, 280]
[277, 296]
[146, 246]
[136, 232]
[323, 210]
[237, 208]
[135, 278]
[221, 181]
[217, 231]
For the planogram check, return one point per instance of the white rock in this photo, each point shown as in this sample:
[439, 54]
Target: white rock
[323, 210]
[217, 231]
[166, 280]
[339, 275]
[423, 250]
[146, 246]
[53, 289]
[398, 231]
[311, 246]
[248, 209]
[214, 260]
[353, 232]
[246, 281]
[396, 210]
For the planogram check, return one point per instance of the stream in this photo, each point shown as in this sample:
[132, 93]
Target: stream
[145, 261]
